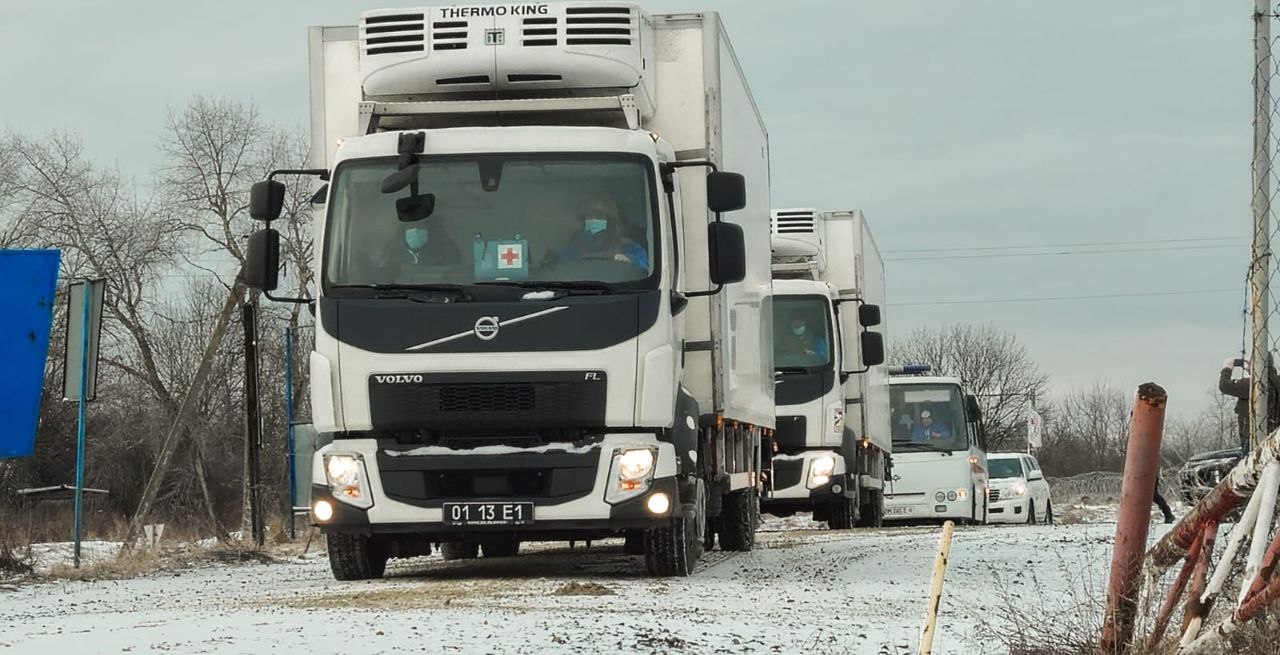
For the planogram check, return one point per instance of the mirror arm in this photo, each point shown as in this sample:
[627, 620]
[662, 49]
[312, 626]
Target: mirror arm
[296, 301]
[322, 173]
[667, 169]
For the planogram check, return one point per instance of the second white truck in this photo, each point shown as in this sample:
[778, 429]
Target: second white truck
[832, 442]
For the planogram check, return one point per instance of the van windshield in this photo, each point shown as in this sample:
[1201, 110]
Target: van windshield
[930, 416]
[498, 219]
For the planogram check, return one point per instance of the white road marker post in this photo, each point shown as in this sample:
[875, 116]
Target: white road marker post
[930, 625]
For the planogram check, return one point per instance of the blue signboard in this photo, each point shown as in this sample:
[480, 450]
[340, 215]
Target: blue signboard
[28, 281]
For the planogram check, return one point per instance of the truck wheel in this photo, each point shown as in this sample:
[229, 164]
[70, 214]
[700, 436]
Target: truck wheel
[871, 514]
[842, 513]
[739, 520]
[452, 550]
[674, 550]
[356, 556]
[500, 547]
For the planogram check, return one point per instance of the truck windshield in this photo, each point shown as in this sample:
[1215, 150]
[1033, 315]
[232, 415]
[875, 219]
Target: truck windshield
[930, 416]
[501, 219]
[801, 338]
[1004, 468]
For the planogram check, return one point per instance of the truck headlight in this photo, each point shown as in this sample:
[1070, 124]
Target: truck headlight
[346, 477]
[820, 470]
[631, 473]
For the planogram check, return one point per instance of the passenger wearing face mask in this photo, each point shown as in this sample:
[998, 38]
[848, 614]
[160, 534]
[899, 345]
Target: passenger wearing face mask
[802, 347]
[601, 236]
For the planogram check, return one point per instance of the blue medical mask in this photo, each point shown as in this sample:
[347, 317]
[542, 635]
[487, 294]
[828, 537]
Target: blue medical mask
[798, 331]
[415, 238]
[595, 226]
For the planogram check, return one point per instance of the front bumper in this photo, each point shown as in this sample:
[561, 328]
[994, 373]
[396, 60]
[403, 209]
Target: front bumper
[791, 491]
[919, 507]
[566, 486]
[1008, 510]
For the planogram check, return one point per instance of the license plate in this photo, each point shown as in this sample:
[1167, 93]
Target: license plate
[488, 513]
[898, 511]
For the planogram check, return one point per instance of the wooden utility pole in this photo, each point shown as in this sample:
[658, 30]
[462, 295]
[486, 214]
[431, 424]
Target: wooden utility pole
[1260, 270]
[252, 523]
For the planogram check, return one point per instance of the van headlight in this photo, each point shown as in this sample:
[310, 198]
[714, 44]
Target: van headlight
[1018, 489]
[631, 473]
[820, 470]
[347, 479]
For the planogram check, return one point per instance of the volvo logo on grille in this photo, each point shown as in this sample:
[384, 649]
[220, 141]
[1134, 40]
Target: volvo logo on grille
[487, 327]
[398, 379]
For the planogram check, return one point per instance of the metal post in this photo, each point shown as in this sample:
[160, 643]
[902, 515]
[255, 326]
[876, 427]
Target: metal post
[1261, 269]
[288, 422]
[84, 392]
[253, 421]
[930, 625]
[1141, 463]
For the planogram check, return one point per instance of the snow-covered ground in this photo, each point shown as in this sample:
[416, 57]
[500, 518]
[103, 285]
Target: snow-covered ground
[803, 589]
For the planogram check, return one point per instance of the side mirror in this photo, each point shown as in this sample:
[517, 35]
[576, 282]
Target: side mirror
[261, 268]
[726, 192]
[869, 315]
[1035, 475]
[971, 406]
[266, 200]
[872, 348]
[728, 253]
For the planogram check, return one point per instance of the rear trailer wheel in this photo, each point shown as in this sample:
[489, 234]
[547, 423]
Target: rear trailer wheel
[871, 514]
[674, 550]
[739, 520]
[452, 550]
[843, 513]
[506, 546]
[356, 557]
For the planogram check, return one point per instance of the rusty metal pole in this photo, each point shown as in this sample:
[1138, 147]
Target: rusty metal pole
[1141, 464]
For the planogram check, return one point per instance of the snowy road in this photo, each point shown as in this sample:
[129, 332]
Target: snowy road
[801, 590]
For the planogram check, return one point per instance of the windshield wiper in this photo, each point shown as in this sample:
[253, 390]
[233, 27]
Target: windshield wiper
[926, 446]
[600, 287]
[410, 291]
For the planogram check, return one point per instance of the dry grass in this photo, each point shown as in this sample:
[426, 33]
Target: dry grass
[583, 589]
[139, 562]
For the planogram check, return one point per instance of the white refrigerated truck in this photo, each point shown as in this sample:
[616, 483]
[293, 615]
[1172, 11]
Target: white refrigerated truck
[542, 307]
[832, 444]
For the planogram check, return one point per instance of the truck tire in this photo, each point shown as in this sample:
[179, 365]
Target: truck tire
[674, 550]
[871, 514]
[842, 514]
[507, 546]
[452, 550]
[739, 520]
[356, 556]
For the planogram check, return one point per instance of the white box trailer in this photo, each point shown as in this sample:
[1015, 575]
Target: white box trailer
[833, 435]
[516, 394]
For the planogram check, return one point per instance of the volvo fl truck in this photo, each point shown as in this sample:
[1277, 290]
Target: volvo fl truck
[832, 442]
[543, 295]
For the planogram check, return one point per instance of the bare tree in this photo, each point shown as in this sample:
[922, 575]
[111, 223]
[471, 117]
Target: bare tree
[991, 363]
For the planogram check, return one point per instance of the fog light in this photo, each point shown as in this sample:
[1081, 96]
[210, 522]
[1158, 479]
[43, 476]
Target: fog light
[658, 503]
[323, 510]
[951, 495]
[939, 497]
[835, 488]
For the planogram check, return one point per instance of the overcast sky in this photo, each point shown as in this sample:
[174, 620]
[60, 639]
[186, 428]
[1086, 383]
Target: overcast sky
[971, 126]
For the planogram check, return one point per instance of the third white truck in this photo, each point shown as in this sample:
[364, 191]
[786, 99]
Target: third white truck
[832, 443]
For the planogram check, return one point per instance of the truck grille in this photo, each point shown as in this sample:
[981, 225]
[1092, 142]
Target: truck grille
[792, 222]
[426, 481]
[993, 495]
[599, 26]
[514, 403]
[541, 31]
[393, 33]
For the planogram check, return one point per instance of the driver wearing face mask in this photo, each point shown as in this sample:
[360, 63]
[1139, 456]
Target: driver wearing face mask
[424, 254]
[601, 236]
[804, 346]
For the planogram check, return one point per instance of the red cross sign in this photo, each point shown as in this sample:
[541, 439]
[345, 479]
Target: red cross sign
[510, 256]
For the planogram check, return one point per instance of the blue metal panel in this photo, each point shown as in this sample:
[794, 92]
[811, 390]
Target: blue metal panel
[28, 282]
